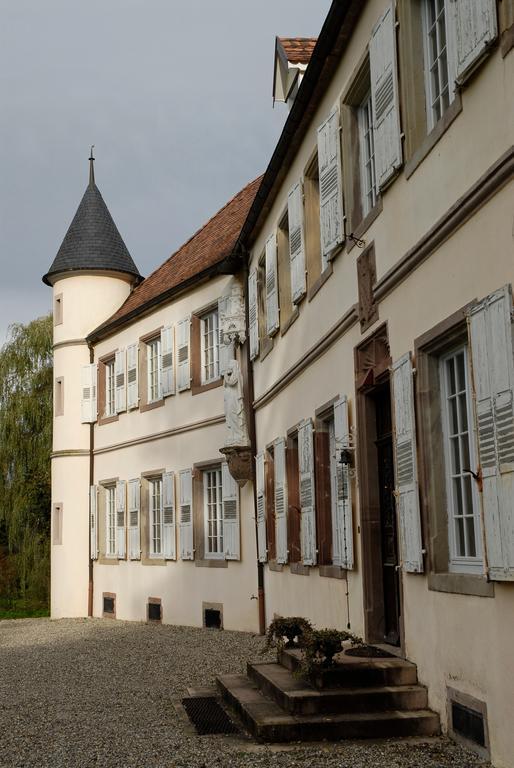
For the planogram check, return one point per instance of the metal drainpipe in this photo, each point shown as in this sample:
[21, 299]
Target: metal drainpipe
[91, 482]
[253, 444]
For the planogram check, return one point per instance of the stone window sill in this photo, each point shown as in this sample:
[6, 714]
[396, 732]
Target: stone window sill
[214, 563]
[199, 388]
[433, 137]
[151, 406]
[332, 572]
[299, 569]
[460, 584]
[322, 279]
[365, 224]
[277, 567]
[287, 326]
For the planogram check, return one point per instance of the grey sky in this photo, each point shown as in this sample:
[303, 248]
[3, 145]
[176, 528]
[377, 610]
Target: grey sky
[176, 97]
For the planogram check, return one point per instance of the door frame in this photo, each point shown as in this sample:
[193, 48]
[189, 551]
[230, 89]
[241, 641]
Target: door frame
[372, 364]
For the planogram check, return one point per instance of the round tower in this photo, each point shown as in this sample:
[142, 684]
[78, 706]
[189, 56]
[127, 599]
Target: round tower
[91, 276]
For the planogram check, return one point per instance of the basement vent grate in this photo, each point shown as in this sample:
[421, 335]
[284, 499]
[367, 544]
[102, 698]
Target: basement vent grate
[154, 612]
[208, 716]
[212, 618]
[468, 723]
[108, 604]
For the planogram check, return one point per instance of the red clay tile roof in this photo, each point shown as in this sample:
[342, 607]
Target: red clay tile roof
[207, 247]
[298, 50]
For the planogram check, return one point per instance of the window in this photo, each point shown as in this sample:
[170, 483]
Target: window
[110, 521]
[110, 389]
[213, 512]
[459, 458]
[315, 263]
[58, 309]
[287, 309]
[59, 397]
[209, 335]
[438, 68]
[156, 520]
[57, 524]
[153, 357]
[369, 190]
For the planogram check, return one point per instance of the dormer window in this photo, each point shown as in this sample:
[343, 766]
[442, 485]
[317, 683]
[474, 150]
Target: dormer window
[292, 55]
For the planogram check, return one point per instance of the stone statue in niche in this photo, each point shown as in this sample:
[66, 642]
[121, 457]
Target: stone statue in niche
[232, 316]
[236, 431]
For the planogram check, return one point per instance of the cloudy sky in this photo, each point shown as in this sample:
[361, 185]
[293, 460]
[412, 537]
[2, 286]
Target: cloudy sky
[175, 95]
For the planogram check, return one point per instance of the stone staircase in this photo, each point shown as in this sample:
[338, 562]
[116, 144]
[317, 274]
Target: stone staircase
[359, 698]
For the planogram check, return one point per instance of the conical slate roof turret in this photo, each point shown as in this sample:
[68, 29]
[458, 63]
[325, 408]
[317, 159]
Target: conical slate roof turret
[92, 242]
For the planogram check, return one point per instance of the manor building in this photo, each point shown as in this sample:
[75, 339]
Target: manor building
[309, 408]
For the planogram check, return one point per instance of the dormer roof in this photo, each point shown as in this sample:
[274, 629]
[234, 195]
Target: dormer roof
[92, 242]
[292, 55]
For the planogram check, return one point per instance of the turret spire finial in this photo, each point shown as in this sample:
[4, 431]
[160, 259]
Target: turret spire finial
[91, 167]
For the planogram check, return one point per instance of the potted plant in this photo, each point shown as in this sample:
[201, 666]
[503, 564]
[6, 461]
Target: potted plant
[322, 645]
[293, 628]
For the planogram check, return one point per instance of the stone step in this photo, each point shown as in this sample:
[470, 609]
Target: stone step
[267, 722]
[295, 696]
[356, 671]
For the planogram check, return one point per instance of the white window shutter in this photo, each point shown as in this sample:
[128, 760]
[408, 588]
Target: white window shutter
[493, 377]
[167, 373]
[253, 314]
[272, 303]
[121, 498]
[168, 493]
[132, 377]
[279, 456]
[134, 523]
[330, 186]
[88, 405]
[186, 515]
[296, 242]
[119, 372]
[230, 492]
[183, 354]
[262, 552]
[384, 97]
[474, 28]
[93, 525]
[406, 470]
[307, 493]
[342, 526]
[226, 347]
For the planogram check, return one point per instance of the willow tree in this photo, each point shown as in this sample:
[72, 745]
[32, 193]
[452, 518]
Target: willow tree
[25, 445]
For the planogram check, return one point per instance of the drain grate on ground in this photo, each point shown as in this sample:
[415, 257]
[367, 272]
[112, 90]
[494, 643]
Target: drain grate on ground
[208, 716]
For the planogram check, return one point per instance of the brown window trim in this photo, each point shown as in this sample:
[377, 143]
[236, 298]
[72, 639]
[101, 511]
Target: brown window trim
[323, 492]
[332, 572]
[269, 483]
[293, 500]
[320, 282]
[144, 405]
[101, 384]
[196, 352]
[299, 569]
[313, 257]
[433, 137]
[144, 520]
[361, 229]
[266, 341]
[507, 40]
[294, 315]
[428, 349]
[201, 561]
[287, 310]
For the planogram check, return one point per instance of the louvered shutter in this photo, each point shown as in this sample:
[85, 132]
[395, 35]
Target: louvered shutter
[342, 526]
[475, 28]
[168, 492]
[296, 242]
[226, 347]
[88, 394]
[230, 492]
[93, 521]
[134, 512]
[384, 98]
[406, 471]
[261, 508]
[132, 379]
[186, 515]
[493, 377]
[272, 311]
[307, 498]
[279, 455]
[330, 186]
[253, 314]
[121, 494]
[167, 373]
[119, 372]
[183, 354]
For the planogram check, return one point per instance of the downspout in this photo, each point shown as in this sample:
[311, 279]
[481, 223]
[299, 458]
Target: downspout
[253, 445]
[91, 482]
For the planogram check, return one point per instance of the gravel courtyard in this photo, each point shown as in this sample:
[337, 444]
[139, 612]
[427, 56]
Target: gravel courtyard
[88, 692]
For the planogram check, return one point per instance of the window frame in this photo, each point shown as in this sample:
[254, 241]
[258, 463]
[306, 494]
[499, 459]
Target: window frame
[110, 388]
[111, 549]
[204, 319]
[153, 366]
[430, 98]
[369, 191]
[460, 563]
[155, 481]
[219, 553]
